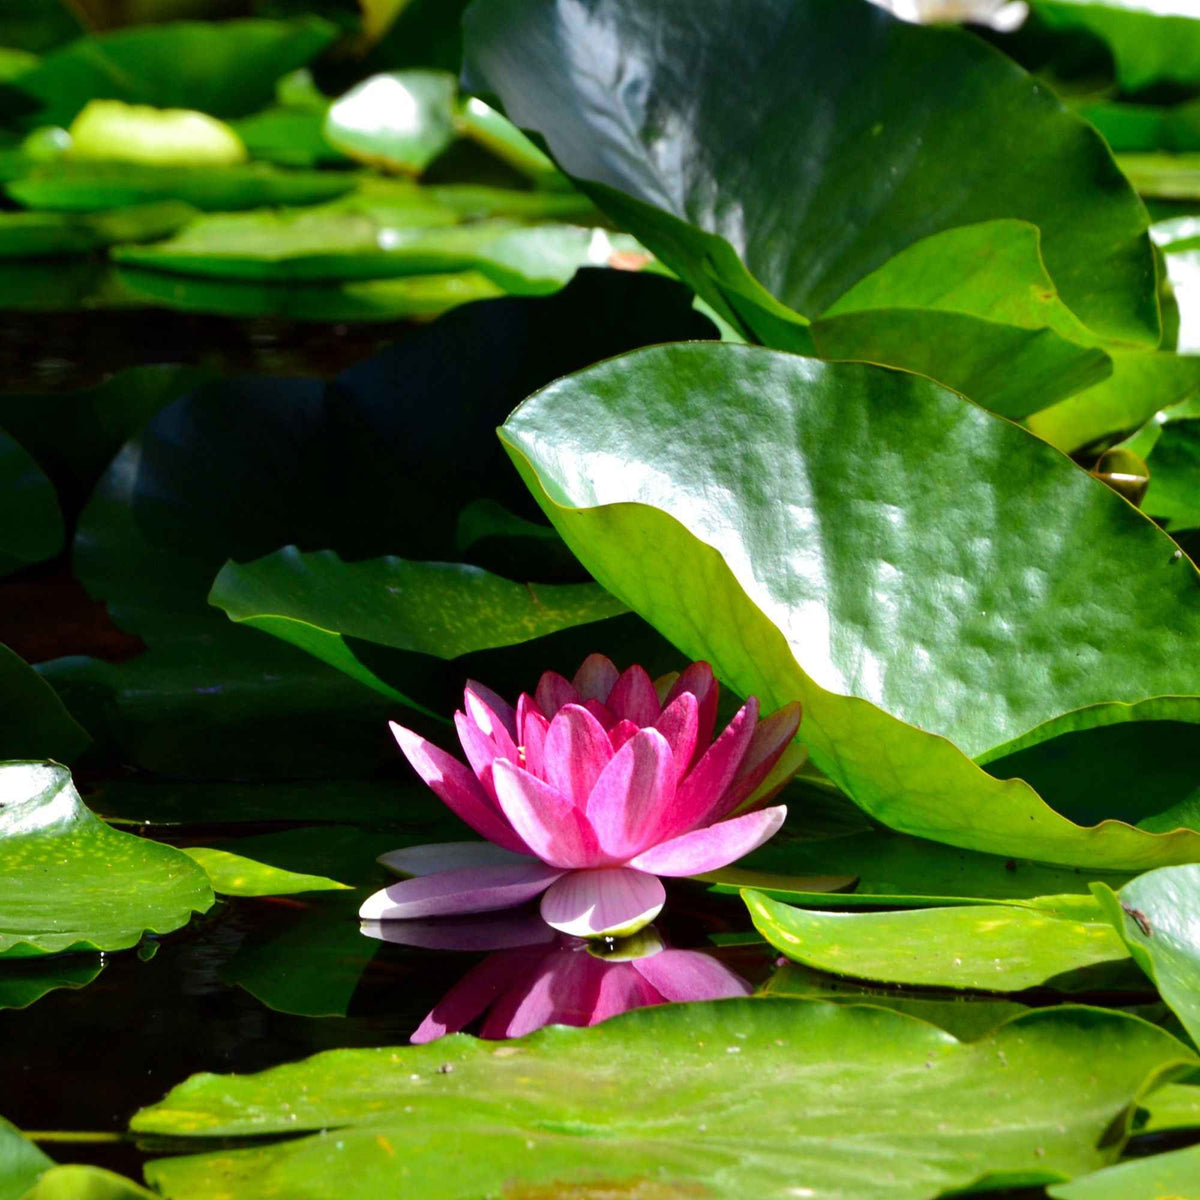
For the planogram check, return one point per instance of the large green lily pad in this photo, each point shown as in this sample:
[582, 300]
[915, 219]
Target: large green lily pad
[1158, 916]
[632, 99]
[28, 1174]
[69, 882]
[641, 1104]
[993, 948]
[834, 551]
[1170, 1176]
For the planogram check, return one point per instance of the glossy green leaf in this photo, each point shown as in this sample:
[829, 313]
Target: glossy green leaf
[325, 606]
[1170, 1176]
[1163, 176]
[641, 1104]
[88, 187]
[227, 69]
[1174, 1106]
[834, 553]
[893, 870]
[1174, 492]
[400, 121]
[54, 235]
[81, 1181]
[967, 1017]
[32, 529]
[1158, 916]
[233, 874]
[992, 948]
[36, 725]
[112, 131]
[21, 1162]
[1152, 41]
[495, 132]
[69, 882]
[26, 981]
[37, 26]
[290, 137]
[653, 138]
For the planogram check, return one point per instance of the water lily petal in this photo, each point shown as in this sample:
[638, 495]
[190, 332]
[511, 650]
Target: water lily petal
[632, 792]
[559, 990]
[699, 680]
[549, 822]
[449, 856]
[553, 691]
[703, 788]
[577, 749]
[595, 678]
[770, 740]
[601, 712]
[490, 723]
[448, 893]
[534, 746]
[633, 697]
[480, 750]
[506, 929]
[712, 847]
[457, 788]
[683, 975]
[622, 989]
[607, 902]
[620, 733]
[472, 995]
[679, 724]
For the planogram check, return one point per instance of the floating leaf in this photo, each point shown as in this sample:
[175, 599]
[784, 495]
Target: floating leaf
[28, 1174]
[21, 1163]
[326, 606]
[36, 725]
[400, 121]
[1170, 1176]
[32, 529]
[112, 131]
[69, 882]
[651, 135]
[1158, 916]
[822, 555]
[227, 69]
[992, 948]
[25, 981]
[1174, 492]
[234, 874]
[290, 137]
[53, 235]
[1174, 1106]
[635, 1104]
[1163, 176]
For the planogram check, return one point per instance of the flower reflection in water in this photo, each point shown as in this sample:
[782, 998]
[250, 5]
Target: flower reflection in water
[535, 976]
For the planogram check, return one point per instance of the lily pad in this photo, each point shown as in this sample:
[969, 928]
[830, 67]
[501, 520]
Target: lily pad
[36, 724]
[1170, 1176]
[112, 131]
[25, 981]
[21, 1162]
[28, 1174]
[1174, 492]
[1158, 916]
[636, 1105]
[995, 948]
[651, 135]
[58, 235]
[326, 606]
[33, 525]
[69, 882]
[236, 875]
[816, 556]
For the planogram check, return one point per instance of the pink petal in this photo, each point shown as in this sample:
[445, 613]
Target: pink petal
[595, 678]
[472, 995]
[448, 893]
[712, 847]
[449, 856]
[577, 749]
[526, 704]
[770, 740]
[490, 725]
[553, 828]
[607, 902]
[457, 788]
[627, 802]
[633, 697]
[601, 712]
[683, 975]
[502, 930]
[679, 724]
[536, 727]
[620, 733]
[553, 691]
[480, 750]
[704, 787]
[698, 679]
[499, 708]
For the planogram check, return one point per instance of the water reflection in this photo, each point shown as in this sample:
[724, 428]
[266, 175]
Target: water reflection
[534, 976]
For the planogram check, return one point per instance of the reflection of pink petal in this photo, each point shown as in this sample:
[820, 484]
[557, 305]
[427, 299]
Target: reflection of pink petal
[608, 902]
[713, 847]
[473, 994]
[560, 990]
[631, 793]
[704, 786]
[690, 975]
[633, 698]
[448, 893]
[546, 820]
[595, 678]
[450, 856]
[621, 989]
[457, 788]
[476, 931]
[577, 749]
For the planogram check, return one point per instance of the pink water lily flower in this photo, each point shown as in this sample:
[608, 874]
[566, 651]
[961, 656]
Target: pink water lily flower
[588, 791]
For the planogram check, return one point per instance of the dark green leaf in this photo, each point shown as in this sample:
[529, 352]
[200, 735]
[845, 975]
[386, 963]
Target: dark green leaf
[36, 725]
[32, 529]
[69, 882]
[57, 235]
[1174, 492]
[25, 981]
[21, 1163]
